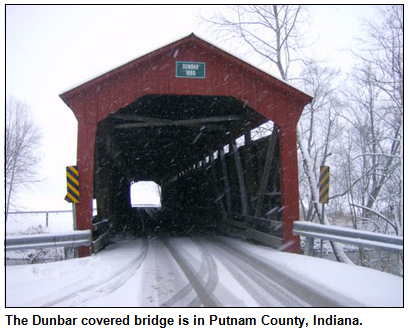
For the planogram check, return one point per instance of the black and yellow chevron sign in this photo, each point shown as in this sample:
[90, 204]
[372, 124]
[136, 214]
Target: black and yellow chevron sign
[324, 184]
[72, 185]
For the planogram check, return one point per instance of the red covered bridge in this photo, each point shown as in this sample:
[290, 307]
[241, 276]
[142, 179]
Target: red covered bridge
[173, 117]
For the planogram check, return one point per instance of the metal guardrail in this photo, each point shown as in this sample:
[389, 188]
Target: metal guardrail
[48, 240]
[349, 236]
[98, 237]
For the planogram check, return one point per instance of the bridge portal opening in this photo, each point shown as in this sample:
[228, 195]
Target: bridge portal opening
[145, 194]
[187, 146]
[206, 153]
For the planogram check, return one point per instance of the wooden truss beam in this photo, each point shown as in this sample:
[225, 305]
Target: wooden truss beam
[266, 171]
[155, 122]
[241, 179]
[226, 179]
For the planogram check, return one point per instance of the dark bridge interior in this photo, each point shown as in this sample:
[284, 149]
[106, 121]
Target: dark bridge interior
[187, 145]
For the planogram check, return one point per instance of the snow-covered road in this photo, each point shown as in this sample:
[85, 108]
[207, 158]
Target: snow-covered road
[207, 271]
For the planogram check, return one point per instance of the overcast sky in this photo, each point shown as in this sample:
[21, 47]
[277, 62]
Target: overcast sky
[50, 49]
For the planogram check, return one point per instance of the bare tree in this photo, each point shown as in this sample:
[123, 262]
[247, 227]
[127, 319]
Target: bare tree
[271, 31]
[316, 135]
[318, 125]
[372, 158]
[376, 116]
[22, 141]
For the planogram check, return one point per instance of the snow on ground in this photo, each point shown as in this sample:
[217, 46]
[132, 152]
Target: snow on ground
[36, 223]
[370, 287]
[211, 271]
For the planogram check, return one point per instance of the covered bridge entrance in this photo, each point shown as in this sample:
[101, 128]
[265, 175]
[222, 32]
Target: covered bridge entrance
[182, 116]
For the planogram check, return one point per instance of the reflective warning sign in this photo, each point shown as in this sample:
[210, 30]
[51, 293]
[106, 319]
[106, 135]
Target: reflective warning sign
[72, 185]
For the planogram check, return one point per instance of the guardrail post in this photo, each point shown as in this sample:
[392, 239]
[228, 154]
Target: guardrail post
[309, 243]
[69, 253]
[321, 240]
[74, 216]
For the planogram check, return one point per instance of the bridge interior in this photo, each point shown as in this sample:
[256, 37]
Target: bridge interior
[188, 145]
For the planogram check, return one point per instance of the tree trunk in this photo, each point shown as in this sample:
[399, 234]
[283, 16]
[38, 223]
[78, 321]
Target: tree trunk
[337, 247]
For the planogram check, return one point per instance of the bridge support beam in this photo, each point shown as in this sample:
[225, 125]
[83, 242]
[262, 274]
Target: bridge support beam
[289, 186]
[85, 163]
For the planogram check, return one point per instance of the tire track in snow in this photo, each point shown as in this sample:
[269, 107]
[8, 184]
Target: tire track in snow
[212, 272]
[264, 291]
[108, 285]
[228, 297]
[195, 281]
[162, 278]
[298, 289]
[203, 270]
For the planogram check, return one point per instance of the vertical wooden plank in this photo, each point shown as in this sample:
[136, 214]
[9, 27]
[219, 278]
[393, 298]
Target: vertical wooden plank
[222, 84]
[165, 71]
[266, 171]
[213, 171]
[85, 163]
[241, 179]
[118, 93]
[214, 182]
[249, 169]
[226, 179]
[289, 186]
